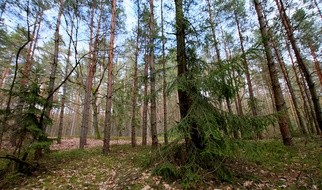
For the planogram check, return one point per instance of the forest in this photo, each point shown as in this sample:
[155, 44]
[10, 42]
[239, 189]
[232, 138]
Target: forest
[160, 94]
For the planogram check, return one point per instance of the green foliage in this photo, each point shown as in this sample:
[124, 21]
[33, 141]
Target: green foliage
[203, 138]
[167, 170]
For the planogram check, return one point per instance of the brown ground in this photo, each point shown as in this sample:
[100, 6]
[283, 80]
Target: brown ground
[73, 143]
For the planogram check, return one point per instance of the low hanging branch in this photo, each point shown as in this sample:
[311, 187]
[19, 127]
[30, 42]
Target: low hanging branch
[23, 166]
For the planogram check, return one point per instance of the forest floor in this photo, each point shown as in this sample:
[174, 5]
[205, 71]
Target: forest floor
[261, 165]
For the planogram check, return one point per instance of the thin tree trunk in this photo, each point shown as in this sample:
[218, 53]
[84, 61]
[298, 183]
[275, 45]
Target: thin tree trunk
[94, 61]
[164, 93]
[302, 65]
[316, 63]
[145, 102]
[307, 95]
[290, 88]
[252, 102]
[27, 67]
[89, 84]
[153, 119]
[247, 73]
[107, 123]
[317, 7]
[278, 95]
[213, 32]
[135, 78]
[63, 100]
[51, 87]
[95, 117]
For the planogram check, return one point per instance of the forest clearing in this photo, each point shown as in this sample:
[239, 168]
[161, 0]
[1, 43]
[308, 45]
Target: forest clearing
[160, 94]
[267, 165]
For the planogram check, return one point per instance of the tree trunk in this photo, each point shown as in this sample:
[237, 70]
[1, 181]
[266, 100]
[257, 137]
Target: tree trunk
[290, 88]
[145, 102]
[309, 119]
[95, 117]
[27, 67]
[88, 85]
[316, 63]
[276, 88]
[153, 119]
[94, 61]
[302, 65]
[185, 100]
[51, 87]
[107, 123]
[164, 93]
[63, 100]
[135, 78]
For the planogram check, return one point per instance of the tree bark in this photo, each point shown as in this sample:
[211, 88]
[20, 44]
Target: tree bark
[63, 100]
[276, 88]
[135, 78]
[107, 123]
[316, 63]
[302, 65]
[185, 99]
[27, 67]
[153, 119]
[290, 88]
[164, 93]
[51, 87]
[91, 67]
[145, 102]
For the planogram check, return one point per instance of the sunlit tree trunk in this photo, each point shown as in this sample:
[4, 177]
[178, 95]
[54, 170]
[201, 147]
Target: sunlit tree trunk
[27, 67]
[316, 63]
[153, 119]
[107, 123]
[278, 94]
[91, 67]
[300, 62]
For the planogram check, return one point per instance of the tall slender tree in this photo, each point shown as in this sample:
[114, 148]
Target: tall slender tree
[153, 115]
[135, 78]
[276, 88]
[164, 93]
[290, 35]
[63, 99]
[91, 67]
[107, 123]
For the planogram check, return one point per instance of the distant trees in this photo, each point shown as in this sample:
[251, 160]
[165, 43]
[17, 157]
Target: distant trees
[216, 77]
